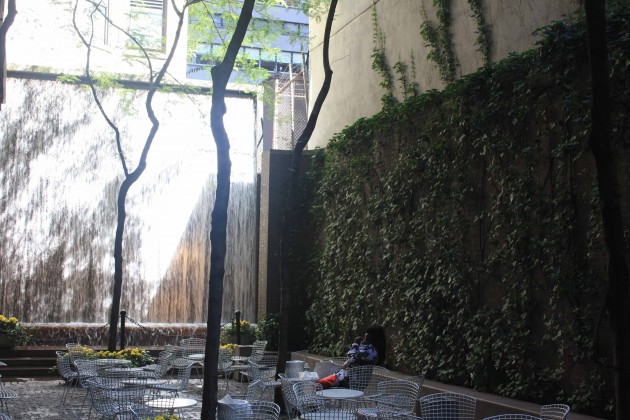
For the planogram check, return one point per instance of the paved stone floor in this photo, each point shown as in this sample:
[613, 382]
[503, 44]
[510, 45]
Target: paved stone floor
[40, 399]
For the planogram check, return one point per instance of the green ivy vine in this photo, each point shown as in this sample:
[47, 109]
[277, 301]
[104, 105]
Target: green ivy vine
[483, 30]
[467, 223]
[439, 39]
[379, 62]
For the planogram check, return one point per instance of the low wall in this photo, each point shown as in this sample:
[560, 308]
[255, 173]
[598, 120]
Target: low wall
[487, 404]
[96, 335]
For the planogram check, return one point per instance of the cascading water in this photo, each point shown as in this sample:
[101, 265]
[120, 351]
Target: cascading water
[59, 179]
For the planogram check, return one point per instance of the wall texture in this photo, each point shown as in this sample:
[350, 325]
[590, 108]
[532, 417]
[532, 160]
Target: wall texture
[355, 90]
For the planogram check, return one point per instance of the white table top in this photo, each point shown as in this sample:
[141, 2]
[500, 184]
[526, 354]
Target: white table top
[148, 382]
[196, 356]
[124, 370]
[340, 393]
[327, 416]
[177, 403]
[113, 362]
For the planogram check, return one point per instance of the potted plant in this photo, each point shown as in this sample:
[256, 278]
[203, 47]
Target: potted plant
[12, 333]
[268, 329]
[228, 333]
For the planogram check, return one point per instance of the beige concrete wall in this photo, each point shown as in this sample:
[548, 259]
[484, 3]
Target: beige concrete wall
[355, 90]
[43, 38]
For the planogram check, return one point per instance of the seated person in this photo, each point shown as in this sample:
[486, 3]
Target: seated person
[369, 350]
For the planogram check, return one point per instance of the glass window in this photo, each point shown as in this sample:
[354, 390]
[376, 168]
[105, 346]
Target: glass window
[148, 23]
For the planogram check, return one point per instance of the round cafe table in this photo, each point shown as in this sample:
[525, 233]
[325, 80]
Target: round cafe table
[340, 393]
[105, 363]
[178, 403]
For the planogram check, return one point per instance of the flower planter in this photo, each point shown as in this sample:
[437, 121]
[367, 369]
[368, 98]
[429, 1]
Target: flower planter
[246, 338]
[6, 341]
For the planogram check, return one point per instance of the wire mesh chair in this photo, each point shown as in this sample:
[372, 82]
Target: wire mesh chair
[448, 406]
[290, 400]
[512, 417]
[342, 409]
[69, 376]
[223, 366]
[393, 396]
[114, 402]
[264, 371]
[258, 350]
[389, 415]
[153, 405]
[6, 395]
[306, 397]
[325, 369]
[4, 416]
[554, 411]
[254, 410]
[182, 377]
[161, 365]
[366, 378]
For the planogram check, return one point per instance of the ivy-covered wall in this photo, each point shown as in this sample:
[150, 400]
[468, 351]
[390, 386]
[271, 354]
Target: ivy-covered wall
[467, 223]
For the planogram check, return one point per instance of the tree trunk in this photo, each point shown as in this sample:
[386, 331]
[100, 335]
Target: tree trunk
[218, 233]
[5, 23]
[618, 294]
[292, 190]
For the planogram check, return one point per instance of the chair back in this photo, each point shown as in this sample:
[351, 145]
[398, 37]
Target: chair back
[63, 366]
[306, 397]
[366, 378]
[397, 395]
[290, 400]
[324, 369]
[554, 411]
[448, 406]
[225, 359]
[258, 351]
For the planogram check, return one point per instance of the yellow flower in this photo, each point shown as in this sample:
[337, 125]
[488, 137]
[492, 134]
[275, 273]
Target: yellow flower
[13, 320]
[3, 318]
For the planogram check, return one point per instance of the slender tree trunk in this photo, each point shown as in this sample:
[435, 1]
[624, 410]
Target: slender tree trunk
[618, 295]
[5, 23]
[292, 190]
[218, 234]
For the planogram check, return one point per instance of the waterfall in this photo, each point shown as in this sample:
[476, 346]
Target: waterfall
[59, 180]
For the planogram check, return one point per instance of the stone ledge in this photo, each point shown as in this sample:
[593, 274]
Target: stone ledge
[487, 404]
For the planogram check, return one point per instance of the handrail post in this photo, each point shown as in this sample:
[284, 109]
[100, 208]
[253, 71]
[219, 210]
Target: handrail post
[122, 329]
[237, 315]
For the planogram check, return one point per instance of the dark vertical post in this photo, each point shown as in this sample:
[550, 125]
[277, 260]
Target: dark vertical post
[122, 329]
[237, 315]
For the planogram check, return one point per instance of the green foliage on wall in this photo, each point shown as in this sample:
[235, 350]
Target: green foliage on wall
[467, 223]
[439, 39]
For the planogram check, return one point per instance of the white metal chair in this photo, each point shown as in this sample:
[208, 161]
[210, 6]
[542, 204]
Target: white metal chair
[254, 410]
[325, 369]
[554, 411]
[366, 378]
[180, 382]
[161, 365]
[115, 402]
[258, 350]
[264, 371]
[306, 397]
[393, 396]
[448, 406]
[153, 405]
[223, 366]
[389, 415]
[69, 376]
[290, 400]
[6, 395]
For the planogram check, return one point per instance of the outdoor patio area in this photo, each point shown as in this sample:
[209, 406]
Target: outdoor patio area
[40, 399]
